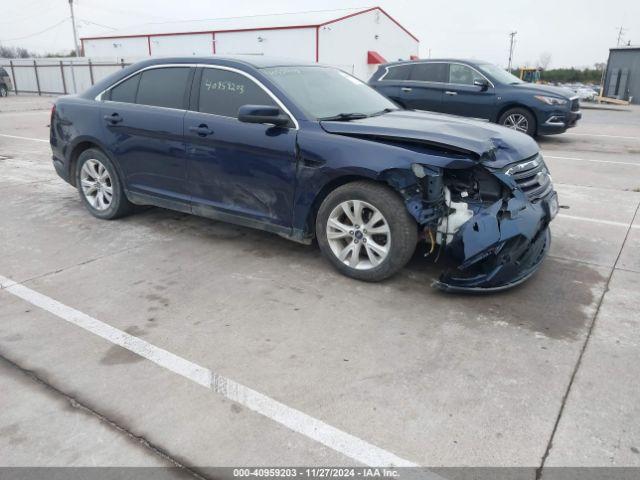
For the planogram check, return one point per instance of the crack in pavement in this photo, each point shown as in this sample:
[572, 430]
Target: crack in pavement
[565, 397]
[78, 404]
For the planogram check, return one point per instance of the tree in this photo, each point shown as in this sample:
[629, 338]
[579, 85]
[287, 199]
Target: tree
[545, 60]
[15, 52]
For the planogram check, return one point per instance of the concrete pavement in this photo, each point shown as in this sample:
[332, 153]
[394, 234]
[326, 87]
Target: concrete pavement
[513, 379]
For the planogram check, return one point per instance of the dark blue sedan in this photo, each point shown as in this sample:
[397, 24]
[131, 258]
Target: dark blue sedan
[308, 151]
[479, 90]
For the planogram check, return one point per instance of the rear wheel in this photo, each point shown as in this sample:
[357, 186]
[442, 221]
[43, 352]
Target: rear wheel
[3, 91]
[519, 119]
[365, 231]
[100, 187]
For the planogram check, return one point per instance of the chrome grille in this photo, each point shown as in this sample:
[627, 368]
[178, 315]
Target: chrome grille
[532, 177]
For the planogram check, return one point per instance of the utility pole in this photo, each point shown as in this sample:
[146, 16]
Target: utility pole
[511, 44]
[75, 32]
[620, 32]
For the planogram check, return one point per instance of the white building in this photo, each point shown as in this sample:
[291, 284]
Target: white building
[353, 39]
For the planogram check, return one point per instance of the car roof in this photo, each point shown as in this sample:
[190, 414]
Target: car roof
[255, 61]
[437, 60]
[242, 62]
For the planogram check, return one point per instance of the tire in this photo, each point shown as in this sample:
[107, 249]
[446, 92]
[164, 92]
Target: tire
[396, 231]
[94, 169]
[511, 117]
[4, 92]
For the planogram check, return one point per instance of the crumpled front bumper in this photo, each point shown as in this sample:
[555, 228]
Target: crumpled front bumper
[500, 248]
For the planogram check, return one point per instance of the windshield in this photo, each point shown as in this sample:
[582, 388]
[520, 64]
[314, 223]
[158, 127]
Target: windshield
[500, 75]
[325, 92]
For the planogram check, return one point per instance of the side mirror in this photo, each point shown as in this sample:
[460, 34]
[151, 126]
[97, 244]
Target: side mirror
[482, 83]
[262, 114]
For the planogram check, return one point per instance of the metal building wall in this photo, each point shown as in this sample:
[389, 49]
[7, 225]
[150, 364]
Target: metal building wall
[623, 74]
[345, 43]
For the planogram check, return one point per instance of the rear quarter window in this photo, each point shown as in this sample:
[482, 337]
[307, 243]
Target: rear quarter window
[400, 72]
[3, 73]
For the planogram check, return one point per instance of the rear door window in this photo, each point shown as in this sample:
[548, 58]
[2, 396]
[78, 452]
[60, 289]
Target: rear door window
[125, 91]
[401, 72]
[429, 72]
[463, 75]
[163, 87]
[223, 92]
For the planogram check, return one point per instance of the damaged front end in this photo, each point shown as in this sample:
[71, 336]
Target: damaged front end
[492, 222]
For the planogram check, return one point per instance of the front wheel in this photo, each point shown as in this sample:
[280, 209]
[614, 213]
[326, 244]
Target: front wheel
[519, 119]
[365, 231]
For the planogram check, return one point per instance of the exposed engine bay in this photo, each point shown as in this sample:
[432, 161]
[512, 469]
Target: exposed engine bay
[492, 222]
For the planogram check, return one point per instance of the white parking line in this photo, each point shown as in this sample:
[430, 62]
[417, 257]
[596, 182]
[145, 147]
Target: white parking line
[595, 220]
[601, 135]
[24, 138]
[590, 160]
[342, 442]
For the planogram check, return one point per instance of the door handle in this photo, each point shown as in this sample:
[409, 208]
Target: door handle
[202, 130]
[448, 92]
[406, 89]
[113, 118]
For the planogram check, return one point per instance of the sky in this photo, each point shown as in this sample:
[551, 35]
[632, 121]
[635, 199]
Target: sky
[572, 33]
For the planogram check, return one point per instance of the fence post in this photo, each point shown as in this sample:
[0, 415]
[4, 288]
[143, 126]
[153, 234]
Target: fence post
[122, 62]
[35, 69]
[13, 75]
[64, 82]
[91, 71]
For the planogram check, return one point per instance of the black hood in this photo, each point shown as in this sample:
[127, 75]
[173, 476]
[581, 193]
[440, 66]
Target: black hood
[488, 142]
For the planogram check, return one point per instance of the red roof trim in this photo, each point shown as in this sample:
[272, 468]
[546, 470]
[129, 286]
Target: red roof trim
[374, 58]
[204, 32]
[256, 29]
[371, 10]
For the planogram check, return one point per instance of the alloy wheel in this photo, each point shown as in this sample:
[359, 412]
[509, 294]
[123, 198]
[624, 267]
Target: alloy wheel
[96, 184]
[517, 121]
[358, 234]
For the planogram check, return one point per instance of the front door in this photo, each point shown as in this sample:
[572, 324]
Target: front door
[143, 121]
[238, 171]
[462, 97]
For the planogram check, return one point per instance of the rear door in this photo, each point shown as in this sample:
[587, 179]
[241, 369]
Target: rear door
[462, 97]
[242, 172]
[143, 123]
[425, 87]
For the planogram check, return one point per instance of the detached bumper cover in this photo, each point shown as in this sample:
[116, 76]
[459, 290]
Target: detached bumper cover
[500, 247]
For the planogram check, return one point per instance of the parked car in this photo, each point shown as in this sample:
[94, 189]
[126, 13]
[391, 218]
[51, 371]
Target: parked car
[586, 94]
[5, 83]
[308, 151]
[479, 90]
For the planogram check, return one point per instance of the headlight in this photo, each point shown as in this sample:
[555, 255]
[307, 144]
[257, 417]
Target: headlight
[551, 100]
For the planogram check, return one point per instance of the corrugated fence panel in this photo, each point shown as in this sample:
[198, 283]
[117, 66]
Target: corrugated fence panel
[57, 75]
[50, 77]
